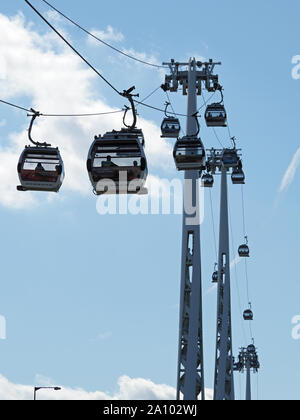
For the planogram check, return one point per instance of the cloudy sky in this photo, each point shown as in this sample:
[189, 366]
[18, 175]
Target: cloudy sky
[91, 301]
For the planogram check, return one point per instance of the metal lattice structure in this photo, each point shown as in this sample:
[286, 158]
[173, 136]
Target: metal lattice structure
[247, 361]
[224, 384]
[190, 380]
[223, 161]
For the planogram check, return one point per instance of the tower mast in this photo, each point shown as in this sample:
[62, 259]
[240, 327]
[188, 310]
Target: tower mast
[222, 161]
[224, 384]
[190, 373]
[247, 361]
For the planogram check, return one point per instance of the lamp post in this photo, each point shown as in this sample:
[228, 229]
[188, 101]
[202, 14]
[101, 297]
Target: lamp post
[37, 388]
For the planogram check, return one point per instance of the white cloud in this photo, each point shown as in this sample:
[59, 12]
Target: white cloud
[128, 389]
[110, 34]
[211, 289]
[142, 56]
[41, 68]
[54, 17]
[235, 262]
[290, 172]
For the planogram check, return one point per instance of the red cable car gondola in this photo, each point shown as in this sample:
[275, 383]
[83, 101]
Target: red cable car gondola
[40, 167]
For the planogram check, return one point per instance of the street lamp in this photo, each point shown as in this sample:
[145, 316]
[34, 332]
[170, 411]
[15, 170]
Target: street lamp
[37, 388]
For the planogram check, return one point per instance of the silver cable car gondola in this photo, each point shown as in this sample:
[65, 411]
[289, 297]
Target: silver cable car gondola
[40, 167]
[215, 114]
[244, 251]
[189, 152]
[170, 127]
[116, 161]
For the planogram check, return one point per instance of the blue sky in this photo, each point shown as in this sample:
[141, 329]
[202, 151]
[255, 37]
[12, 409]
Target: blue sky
[89, 298]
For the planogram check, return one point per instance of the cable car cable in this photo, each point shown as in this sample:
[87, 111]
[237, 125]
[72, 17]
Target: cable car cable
[101, 40]
[236, 279]
[151, 94]
[246, 267]
[73, 48]
[83, 115]
[174, 113]
[217, 137]
[228, 128]
[247, 281]
[214, 130]
[90, 114]
[171, 105]
[156, 108]
[15, 106]
[213, 225]
[243, 210]
[205, 103]
[90, 65]
[61, 115]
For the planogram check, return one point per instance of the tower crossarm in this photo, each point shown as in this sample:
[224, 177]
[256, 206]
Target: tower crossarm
[179, 77]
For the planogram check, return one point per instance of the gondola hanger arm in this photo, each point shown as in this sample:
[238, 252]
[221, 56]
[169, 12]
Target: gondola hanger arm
[220, 89]
[128, 94]
[34, 116]
[167, 104]
[233, 139]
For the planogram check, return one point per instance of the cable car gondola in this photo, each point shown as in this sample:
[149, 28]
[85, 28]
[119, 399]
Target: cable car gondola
[238, 176]
[251, 349]
[118, 157]
[170, 127]
[207, 180]
[116, 161]
[215, 114]
[215, 276]
[40, 167]
[244, 251]
[248, 315]
[230, 158]
[189, 154]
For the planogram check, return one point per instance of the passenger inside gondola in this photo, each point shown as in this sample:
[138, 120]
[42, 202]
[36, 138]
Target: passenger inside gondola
[108, 163]
[216, 115]
[170, 127]
[39, 167]
[39, 173]
[108, 169]
[118, 157]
